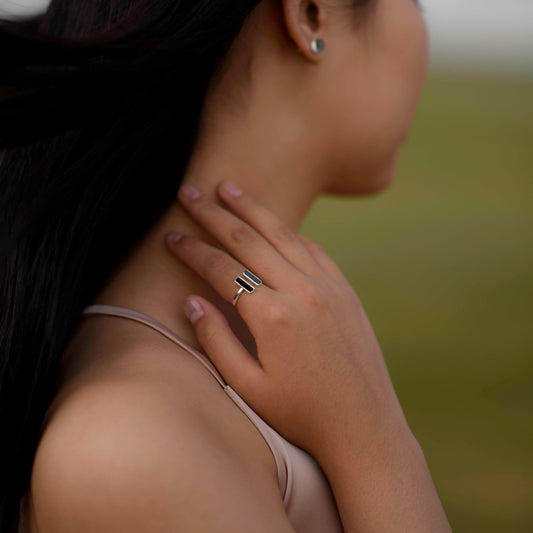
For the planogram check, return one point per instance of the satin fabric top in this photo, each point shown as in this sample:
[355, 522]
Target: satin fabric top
[305, 490]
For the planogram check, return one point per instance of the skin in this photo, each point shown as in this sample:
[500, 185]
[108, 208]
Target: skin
[331, 123]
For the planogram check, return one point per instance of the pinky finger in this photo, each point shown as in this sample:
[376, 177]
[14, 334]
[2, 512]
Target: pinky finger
[238, 368]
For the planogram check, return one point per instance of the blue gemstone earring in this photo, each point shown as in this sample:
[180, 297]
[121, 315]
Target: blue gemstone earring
[317, 45]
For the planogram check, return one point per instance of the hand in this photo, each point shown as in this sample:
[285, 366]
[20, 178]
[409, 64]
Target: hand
[319, 362]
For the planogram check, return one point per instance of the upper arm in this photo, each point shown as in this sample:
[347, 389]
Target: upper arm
[122, 469]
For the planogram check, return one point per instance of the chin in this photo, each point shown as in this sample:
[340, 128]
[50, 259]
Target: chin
[370, 183]
[385, 178]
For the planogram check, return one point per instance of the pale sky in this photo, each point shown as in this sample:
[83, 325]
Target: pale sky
[489, 35]
[493, 35]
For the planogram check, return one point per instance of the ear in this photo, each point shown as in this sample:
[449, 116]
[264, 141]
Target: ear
[304, 20]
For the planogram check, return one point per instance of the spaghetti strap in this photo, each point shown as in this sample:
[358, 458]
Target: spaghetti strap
[158, 326]
[272, 438]
[304, 488]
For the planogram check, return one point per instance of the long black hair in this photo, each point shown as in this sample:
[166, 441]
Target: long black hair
[99, 101]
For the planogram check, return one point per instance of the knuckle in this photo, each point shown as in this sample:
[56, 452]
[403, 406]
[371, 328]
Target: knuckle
[215, 261]
[276, 314]
[283, 233]
[303, 238]
[242, 235]
[313, 297]
[312, 245]
[317, 247]
[203, 205]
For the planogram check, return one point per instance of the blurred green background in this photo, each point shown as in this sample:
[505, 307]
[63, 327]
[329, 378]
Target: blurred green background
[443, 261]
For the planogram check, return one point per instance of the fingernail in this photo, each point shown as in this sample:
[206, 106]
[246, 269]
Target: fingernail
[173, 237]
[232, 189]
[188, 192]
[193, 310]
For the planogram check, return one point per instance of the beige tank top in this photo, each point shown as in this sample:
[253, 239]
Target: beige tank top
[306, 493]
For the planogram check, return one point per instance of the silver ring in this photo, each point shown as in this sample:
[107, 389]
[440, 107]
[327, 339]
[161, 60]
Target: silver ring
[244, 285]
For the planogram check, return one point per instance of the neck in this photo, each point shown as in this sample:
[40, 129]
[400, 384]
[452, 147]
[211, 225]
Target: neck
[154, 281]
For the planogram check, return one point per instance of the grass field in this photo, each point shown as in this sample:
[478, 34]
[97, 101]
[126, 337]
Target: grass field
[443, 263]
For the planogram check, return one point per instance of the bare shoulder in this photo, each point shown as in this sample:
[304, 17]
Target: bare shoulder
[154, 453]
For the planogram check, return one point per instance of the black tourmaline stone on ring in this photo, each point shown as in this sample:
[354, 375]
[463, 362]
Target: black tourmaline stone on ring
[252, 277]
[247, 287]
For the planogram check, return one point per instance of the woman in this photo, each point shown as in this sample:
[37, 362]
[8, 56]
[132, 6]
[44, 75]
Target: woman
[115, 426]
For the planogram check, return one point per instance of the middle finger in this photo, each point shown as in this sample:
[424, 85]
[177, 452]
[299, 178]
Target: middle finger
[242, 240]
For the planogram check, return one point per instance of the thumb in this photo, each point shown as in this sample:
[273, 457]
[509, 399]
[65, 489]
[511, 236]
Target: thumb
[238, 368]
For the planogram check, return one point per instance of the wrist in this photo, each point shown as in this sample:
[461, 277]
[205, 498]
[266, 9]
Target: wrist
[369, 443]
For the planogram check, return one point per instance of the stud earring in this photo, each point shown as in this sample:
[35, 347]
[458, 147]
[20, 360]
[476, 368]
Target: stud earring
[317, 45]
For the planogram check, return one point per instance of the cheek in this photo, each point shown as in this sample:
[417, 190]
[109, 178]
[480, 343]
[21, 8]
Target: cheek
[404, 66]
[370, 116]
[364, 134]
[372, 107]
[371, 113]
[389, 87]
